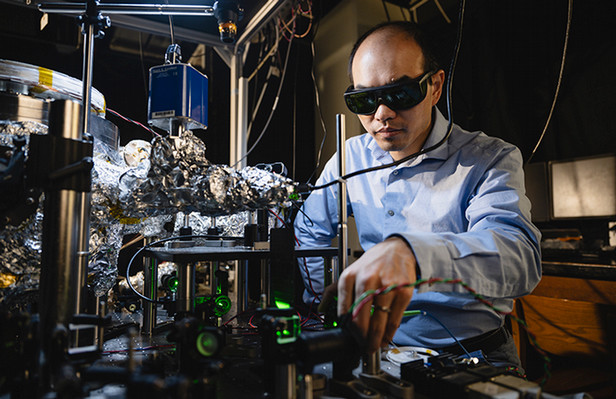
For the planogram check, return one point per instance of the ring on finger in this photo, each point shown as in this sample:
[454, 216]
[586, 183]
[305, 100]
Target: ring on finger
[385, 309]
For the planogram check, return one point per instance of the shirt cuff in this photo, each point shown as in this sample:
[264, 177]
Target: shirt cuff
[432, 255]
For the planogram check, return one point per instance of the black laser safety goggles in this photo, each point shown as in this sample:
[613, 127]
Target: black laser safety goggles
[404, 94]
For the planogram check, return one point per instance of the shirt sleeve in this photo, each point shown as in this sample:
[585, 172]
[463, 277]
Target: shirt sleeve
[315, 226]
[498, 255]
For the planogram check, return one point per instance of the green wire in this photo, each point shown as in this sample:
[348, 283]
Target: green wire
[411, 313]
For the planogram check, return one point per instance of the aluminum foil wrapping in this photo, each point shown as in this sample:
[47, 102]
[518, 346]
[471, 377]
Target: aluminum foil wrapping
[9, 129]
[143, 197]
[180, 178]
[230, 225]
[105, 243]
[20, 257]
[164, 268]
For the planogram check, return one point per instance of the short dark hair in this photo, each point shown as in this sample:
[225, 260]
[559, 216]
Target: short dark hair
[410, 30]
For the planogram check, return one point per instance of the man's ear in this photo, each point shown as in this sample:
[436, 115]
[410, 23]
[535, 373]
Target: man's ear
[438, 81]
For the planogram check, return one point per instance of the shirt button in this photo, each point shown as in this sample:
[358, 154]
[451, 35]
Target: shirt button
[396, 173]
[390, 212]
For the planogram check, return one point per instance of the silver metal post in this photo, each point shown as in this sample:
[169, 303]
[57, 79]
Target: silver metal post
[86, 76]
[265, 280]
[286, 375]
[371, 363]
[150, 290]
[238, 112]
[101, 311]
[133, 9]
[84, 198]
[306, 387]
[60, 280]
[343, 234]
[185, 301]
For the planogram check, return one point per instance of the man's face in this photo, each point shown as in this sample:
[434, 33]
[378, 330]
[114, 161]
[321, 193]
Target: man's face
[384, 58]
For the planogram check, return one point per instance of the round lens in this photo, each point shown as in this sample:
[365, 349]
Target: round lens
[207, 343]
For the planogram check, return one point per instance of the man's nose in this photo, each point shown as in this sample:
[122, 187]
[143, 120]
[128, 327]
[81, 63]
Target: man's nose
[383, 112]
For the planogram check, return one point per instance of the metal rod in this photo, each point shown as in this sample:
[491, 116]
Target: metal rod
[86, 76]
[343, 234]
[285, 384]
[185, 302]
[241, 284]
[83, 229]
[101, 311]
[264, 14]
[238, 112]
[131, 9]
[265, 281]
[371, 363]
[150, 290]
[59, 278]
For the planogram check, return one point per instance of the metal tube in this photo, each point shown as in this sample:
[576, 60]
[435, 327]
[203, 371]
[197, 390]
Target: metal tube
[371, 363]
[265, 281]
[86, 77]
[306, 387]
[131, 9]
[185, 302]
[343, 234]
[241, 285]
[238, 112]
[234, 139]
[285, 386]
[83, 251]
[60, 279]
[83, 199]
[265, 13]
[101, 311]
[150, 290]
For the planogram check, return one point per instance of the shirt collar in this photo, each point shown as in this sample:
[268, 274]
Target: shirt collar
[439, 130]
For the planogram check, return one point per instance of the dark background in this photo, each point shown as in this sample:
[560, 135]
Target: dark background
[504, 84]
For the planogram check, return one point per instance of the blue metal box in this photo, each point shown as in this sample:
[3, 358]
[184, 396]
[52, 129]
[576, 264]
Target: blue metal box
[177, 92]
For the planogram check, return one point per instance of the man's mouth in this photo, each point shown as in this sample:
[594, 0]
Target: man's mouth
[388, 132]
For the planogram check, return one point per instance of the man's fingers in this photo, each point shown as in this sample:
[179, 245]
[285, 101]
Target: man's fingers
[376, 331]
[400, 300]
[346, 285]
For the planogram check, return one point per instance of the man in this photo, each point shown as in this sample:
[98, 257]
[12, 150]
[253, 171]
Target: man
[456, 212]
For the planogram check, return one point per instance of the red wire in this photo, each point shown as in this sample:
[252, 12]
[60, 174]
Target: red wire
[250, 321]
[133, 121]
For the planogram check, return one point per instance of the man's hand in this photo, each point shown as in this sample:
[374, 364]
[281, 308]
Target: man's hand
[388, 263]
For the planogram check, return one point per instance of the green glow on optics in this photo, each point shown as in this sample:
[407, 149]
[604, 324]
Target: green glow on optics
[222, 305]
[173, 284]
[207, 344]
[290, 331]
[281, 304]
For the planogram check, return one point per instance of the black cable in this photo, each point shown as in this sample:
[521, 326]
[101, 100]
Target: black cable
[454, 60]
[386, 11]
[317, 97]
[321, 119]
[130, 262]
[558, 83]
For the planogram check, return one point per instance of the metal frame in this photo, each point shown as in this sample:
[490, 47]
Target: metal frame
[232, 55]
[239, 84]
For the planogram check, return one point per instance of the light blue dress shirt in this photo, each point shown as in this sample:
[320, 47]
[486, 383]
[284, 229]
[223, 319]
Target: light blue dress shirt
[463, 211]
